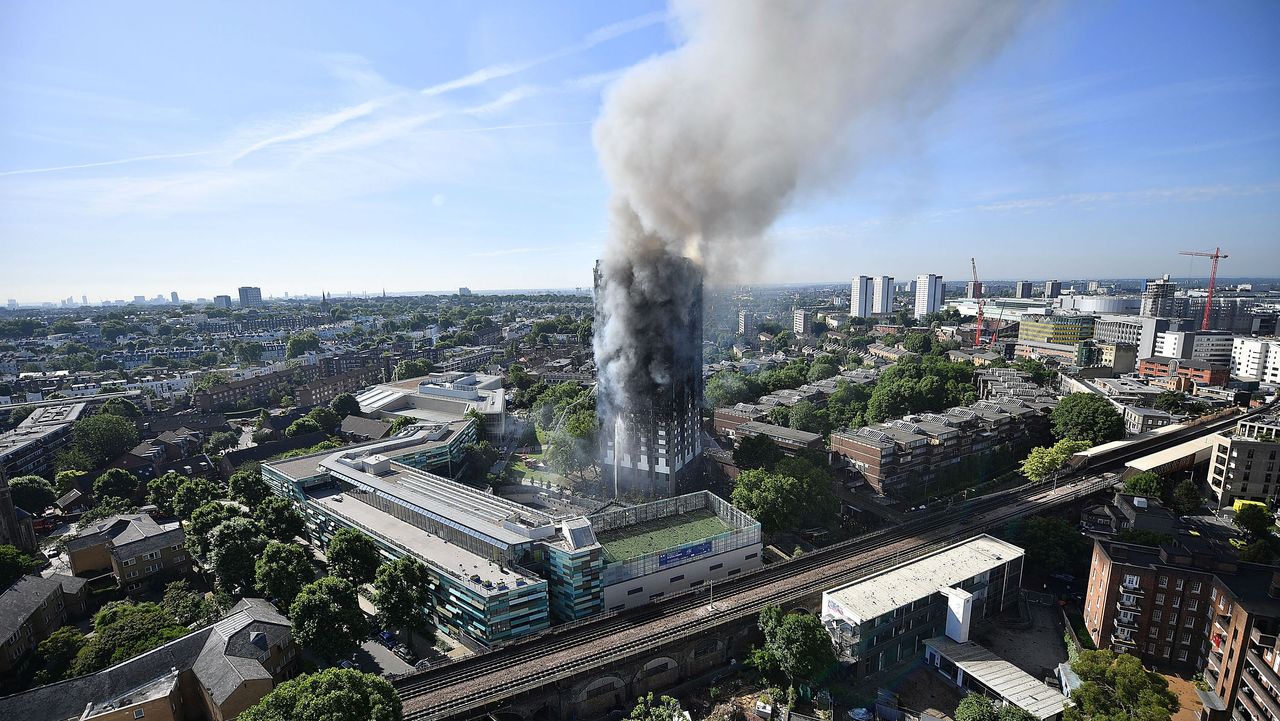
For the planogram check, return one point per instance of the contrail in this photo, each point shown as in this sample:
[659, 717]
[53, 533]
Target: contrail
[104, 163]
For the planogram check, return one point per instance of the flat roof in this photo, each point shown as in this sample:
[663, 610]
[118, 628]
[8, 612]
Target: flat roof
[769, 429]
[1012, 683]
[1179, 452]
[457, 562]
[659, 534]
[905, 583]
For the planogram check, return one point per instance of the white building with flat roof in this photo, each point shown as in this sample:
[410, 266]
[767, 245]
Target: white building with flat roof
[882, 295]
[861, 297]
[929, 294]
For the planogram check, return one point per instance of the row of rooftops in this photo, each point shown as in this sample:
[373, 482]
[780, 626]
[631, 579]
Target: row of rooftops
[920, 429]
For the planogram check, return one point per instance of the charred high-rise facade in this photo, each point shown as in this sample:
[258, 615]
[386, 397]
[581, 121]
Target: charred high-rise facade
[650, 392]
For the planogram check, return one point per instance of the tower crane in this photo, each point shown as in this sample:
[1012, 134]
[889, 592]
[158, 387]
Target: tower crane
[977, 339]
[1213, 276]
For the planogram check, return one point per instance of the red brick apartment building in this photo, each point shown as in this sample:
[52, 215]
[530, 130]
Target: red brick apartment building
[1201, 372]
[1192, 608]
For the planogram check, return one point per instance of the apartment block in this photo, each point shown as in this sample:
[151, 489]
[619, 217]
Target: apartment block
[1208, 346]
[1246, 462]
[1197, 371]
[802, 322]
[1052, 289]
[861, 297]
[1023, 289]
[131, 546]
[882, 295]
[902, 457]
[34, 607]
[1052, 327]
[323, 390]
[929, 294]
[747, 327]
[1255, 359]
[250, 296]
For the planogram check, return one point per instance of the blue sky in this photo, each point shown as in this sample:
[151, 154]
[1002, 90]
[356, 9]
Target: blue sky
[147, 147]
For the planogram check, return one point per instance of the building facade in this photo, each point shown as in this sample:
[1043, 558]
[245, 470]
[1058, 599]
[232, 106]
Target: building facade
[862, 297]
[1246, 462]
[1055, 328]
[1022, 289]
[34, 607]
[929, 294]
[1052, 289]
[1255, 359]
[882, 295]
[250, 296]
[1159, 298]
[1197, 371]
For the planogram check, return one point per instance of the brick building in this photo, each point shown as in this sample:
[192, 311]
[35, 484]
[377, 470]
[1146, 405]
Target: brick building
[324, 390]
[131, 546]
[1246, 462]
[1201, 372]
[34, 607]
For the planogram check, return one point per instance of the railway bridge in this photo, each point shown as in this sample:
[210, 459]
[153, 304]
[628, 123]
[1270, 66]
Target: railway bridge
[586, 669]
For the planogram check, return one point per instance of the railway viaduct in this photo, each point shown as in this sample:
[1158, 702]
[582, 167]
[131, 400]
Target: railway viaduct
[601, 665]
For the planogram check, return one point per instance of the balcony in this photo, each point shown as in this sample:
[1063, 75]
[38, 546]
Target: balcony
[1263, 671]
[1214, 661]
[1131, 590]
[1211, 673]
[1266, 641]
[1122, 605]
[1254, 691]
[1250, 706]
[1126, 641]
[1129, 623]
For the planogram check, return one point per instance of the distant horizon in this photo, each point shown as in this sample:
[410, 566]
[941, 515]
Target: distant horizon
[585, 290]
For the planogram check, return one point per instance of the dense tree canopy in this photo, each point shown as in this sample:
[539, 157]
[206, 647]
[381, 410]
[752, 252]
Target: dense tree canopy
[1087, 417]
[1053, 545]
[1255, 520]
[345, 404]
[102, 438]
[757, 451]
[122, 407]
[401, 591]
[115, 483]
[327, 619]
[797, 493]
[14, 564]
[1146, 483]
[193, 493]
[1115, 687]
[280, 519]
[1186, 498]
[32, 494]
[247, 486]
[202, 522]
[795, 644]
[282, 571]
[234, 547]
[302, 427]
[411, 369]
[353, 556]
[123, 630]
[333, 694]
[1043, 461]
[660, 708]
[919, 385]
[161, 491]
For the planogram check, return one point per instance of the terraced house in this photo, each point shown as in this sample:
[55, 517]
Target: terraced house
[132, 546]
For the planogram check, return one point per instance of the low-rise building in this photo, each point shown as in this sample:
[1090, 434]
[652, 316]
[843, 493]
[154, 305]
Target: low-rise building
[902, 457]
[131, 546]
[323, 390]
[440, 398]
[885, 619]
[34, 607]
[500, 569]
[213, 673]
[1140, 420]
[788, 439]
[1128, 512]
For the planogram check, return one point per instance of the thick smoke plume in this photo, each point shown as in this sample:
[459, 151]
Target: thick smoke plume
[706, 145]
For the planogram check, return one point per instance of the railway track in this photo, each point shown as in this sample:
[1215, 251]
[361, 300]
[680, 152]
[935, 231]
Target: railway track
[511, 669]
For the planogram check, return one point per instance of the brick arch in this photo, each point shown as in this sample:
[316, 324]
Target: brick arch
[656, 673]
[596, 687]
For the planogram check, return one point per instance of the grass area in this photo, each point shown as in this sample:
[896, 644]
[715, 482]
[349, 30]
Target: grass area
[623, 544]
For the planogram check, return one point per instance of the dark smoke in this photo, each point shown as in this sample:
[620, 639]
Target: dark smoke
[706, 145]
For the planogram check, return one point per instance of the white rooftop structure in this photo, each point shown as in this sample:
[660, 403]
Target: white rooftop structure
[906, 583]
[1003, 678]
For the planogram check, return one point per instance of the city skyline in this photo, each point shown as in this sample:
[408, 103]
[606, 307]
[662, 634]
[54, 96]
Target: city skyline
[457, 138]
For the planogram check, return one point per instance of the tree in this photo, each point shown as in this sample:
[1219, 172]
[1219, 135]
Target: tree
[1115, 687]
[1012, 712]
[64, 481]
[283, 570]
[353, 556]
[115, 483]
[1186, 498]
[185, 606]
[345, 404]
[413, 368]
[325, 418]
[302, 426]
[1040, 373]
[247, 486]
[823, 368]
[161, 491]
[1053, 545]
[202, 522]
[193, 493]
[107, 507]
[122, 631]
[1087, 417]
[14, 564]
[796, 644]
[401, 423]
[32, 493]
[662, 708]
[757, 451]
[400, 591]
[1255, 520]
[221, 441]
[726, 388]
[1043, 461]
[976, 707]
[102, 438]
[1146, 483]
[59, 651]
[122, 407]
[779, 501]
[805, 416]
[234, 546]
[917, 343]
[301, 343]
[327, 619]
[334, 694]
[280, 518]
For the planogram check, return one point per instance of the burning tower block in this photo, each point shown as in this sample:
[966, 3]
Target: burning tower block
[649, 352]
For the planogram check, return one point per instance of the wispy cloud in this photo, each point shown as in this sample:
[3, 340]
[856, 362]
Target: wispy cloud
[1147, 195]
[508, 251]
[107, 163]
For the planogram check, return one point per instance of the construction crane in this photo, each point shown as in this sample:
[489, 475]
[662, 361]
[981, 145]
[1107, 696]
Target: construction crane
[1216, 255]
[977, 290]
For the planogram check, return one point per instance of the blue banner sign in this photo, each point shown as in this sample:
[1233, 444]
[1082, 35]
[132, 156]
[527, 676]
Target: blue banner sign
[683, 554]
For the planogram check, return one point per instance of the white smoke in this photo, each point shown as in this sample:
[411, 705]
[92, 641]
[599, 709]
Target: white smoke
[706, 145]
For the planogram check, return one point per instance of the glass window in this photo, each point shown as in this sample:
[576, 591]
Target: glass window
[1163, 582]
